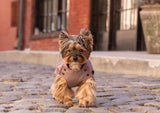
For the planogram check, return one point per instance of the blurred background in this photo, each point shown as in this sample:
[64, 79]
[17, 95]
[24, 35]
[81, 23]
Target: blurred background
[35, 24]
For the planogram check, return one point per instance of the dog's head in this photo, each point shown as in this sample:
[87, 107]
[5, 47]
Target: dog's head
[76, 49]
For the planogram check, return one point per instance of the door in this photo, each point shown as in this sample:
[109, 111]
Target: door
[15, 20]
[124, 26]
[98, 24]
[9, 24]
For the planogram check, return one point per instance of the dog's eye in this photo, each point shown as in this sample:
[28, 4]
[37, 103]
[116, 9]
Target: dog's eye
[80, 50]
[68, 50]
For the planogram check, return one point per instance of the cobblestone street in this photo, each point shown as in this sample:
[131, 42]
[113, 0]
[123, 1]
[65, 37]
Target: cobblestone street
[25, 88]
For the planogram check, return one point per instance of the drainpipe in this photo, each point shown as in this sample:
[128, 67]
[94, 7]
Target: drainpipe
[20, 25]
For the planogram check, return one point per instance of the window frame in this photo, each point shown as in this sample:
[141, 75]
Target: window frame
[128, 15]
[55, 33]
[14, 13]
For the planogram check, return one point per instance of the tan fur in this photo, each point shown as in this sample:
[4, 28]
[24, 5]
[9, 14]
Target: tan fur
[69, 59]
[86, 93]
[87, 37]
[61, 92]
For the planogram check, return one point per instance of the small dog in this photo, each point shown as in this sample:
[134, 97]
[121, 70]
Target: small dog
[75, 70]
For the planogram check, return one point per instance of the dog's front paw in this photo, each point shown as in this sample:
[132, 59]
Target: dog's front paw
[69, 103]
[82, 104]
[86, 93]
[85, 103]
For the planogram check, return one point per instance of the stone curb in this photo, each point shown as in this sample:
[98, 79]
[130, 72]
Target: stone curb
[136, 63]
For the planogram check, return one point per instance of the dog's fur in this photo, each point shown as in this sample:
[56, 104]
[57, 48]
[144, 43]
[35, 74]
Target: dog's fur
[75, 50]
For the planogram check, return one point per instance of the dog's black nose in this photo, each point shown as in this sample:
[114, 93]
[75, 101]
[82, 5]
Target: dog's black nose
[75, 58]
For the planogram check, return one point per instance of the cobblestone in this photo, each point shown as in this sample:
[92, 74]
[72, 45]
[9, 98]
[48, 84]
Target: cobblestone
[25, 88]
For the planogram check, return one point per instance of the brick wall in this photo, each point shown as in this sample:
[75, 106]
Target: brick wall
[28, 22]
[8, 33]
[45, 44]
[79, 17]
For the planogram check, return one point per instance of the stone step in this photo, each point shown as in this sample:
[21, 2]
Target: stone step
[119, 62]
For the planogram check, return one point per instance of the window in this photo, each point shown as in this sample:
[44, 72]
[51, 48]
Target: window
[128, 13]
[50, 15]
[99, 15]
[14, 13]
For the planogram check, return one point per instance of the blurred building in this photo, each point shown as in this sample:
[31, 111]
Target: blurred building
[35, 24]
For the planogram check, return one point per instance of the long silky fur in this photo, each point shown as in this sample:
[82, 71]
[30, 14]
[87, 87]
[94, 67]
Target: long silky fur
[86, 93]
[61, 91]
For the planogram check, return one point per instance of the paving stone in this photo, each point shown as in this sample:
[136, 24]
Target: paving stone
[12, 80]
[157, 98]
[22, 111]
[102, 100]
[156, 90]
[118, 92]
[153, 104]
[144, 97]
[35, 91]
[99, 110]
[130, 112]
[78, 110]
[143, 109]
[100, 90]
[113, 97]
[5, 87]
[2, 110]
[7, 100]
[141, 102]
[127, 107]
[25, 88]
[46, 110]
[32, 96]
[52, 104]
[24, 105]
[153, 86]
[12, 93]
[49, 96]
[103, 94]
[6, 107]
[122, 100]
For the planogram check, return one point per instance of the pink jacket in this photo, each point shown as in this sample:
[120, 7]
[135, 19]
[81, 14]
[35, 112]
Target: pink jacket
[74, 78]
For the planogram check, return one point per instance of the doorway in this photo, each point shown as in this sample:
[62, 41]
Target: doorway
[98, 24]
[15, 20]
[125, 26]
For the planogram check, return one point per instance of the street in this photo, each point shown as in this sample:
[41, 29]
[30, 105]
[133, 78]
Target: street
[25, 88]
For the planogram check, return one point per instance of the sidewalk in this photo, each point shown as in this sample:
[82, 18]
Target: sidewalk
[119, 62]
[25, 88]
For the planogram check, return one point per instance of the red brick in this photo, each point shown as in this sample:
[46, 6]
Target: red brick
[79, 17]
[45, 44]
[28, 22]
[8, 34]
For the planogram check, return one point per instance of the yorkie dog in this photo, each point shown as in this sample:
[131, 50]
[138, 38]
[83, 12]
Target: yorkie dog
[75, 70]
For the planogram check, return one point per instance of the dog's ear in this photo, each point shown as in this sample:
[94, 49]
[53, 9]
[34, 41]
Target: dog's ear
[87, 36]
[63, 37]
